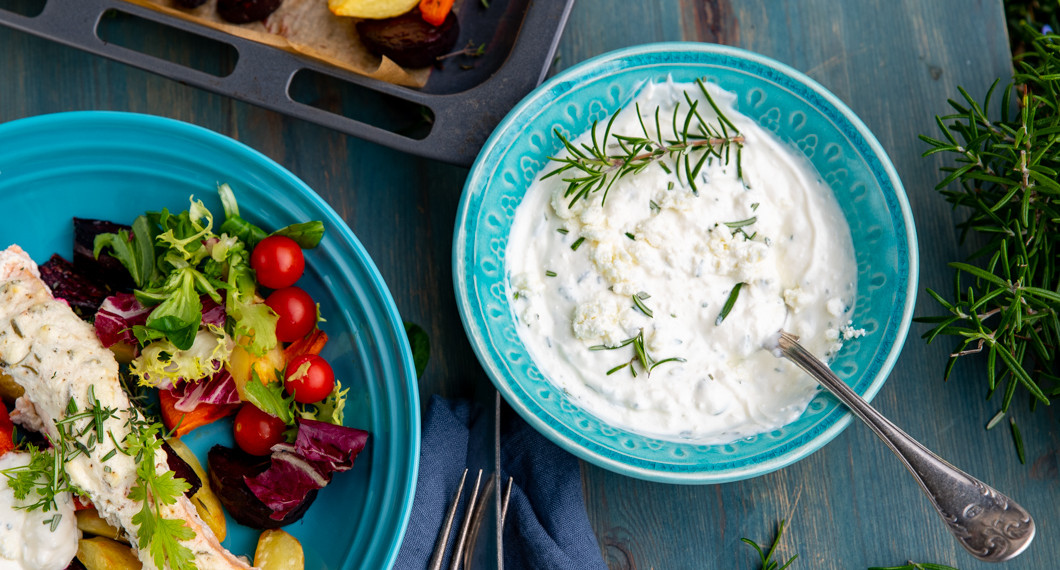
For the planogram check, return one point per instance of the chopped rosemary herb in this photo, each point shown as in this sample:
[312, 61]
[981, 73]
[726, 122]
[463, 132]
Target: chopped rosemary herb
[550, 273]
[577, 243]
[563, 231]
[742, 223]
[631, 236]
[729, 303]
[654, 206]
[638, 302]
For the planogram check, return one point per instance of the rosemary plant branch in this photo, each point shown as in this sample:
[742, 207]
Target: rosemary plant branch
[1005, 302]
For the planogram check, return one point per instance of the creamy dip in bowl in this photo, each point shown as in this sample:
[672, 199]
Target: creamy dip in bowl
[657, 260]
[685, 282]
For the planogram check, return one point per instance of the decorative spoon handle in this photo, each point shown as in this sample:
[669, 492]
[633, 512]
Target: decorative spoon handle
[987, 523]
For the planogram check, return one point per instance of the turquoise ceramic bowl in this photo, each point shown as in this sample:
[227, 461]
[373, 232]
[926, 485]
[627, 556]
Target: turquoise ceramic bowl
[116, 166]
[802, 113]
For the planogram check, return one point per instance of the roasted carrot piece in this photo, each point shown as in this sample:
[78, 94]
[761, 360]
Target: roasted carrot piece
[186, 421]
[435, 11]
[311, 343]
[7, 431]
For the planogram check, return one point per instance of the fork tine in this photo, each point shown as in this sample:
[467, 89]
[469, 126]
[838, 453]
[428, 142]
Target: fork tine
[465, 524]
[504, 500]
[447, 525]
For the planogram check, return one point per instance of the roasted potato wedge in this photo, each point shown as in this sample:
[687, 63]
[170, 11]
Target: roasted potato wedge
[9, 390]
[105, 554]
[90, 523]
[375, 9]
[278, 550]
[207, 505]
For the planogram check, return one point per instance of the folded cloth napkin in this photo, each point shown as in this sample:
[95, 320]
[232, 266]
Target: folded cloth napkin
[546, 526]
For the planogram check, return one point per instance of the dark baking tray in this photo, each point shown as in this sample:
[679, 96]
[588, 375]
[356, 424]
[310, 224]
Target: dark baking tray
[457, 109]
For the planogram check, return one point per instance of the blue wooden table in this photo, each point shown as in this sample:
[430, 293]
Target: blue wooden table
[850, 505]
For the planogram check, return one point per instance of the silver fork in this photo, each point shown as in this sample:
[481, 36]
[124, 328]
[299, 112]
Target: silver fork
[469, 525]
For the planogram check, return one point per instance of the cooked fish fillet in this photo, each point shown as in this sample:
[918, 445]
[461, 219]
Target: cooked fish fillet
[55, 356]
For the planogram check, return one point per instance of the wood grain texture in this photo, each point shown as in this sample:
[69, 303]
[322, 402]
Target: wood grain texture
[850, 505]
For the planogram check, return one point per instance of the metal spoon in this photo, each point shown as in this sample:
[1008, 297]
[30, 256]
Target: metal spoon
[988, 524]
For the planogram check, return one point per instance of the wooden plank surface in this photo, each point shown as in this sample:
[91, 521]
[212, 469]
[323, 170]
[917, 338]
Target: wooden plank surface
[850, 505]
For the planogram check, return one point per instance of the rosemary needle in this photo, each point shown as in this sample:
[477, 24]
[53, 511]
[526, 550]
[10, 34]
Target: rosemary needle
[729, 303]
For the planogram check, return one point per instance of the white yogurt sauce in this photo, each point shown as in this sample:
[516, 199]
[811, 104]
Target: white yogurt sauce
[654, 237]
[27, 541]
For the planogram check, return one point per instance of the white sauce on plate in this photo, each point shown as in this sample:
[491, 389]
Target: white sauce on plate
[27, 541]
[655, 238]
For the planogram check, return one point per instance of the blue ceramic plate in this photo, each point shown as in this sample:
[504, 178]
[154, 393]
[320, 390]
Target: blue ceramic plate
[800, 112]
[116, 166]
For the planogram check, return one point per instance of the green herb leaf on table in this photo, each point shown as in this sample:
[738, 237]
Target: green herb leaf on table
[766, 555]
[1004, 303]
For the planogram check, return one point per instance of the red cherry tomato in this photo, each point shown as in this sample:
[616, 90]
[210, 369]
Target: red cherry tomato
[312, 384]
[256, 431]
[277, 261]
[297, 312]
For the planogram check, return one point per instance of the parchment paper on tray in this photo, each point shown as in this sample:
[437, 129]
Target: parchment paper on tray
[306, 27]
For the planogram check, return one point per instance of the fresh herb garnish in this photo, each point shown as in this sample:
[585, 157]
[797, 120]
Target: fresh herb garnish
[1004, 302]
[766, 556]
[638, 301]
[595, 167]
[742, 223]
[550, 273]
[729, 303]
[162, 537]
[577, 243]
[640, 354]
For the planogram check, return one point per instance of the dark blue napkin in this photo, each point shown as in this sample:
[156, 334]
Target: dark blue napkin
[546, 526]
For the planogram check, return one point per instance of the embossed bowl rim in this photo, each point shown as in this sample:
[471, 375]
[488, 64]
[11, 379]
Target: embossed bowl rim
[477, 187]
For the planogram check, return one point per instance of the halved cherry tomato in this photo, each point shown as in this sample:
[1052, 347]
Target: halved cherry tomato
[7, 431]
[256, 431]
[309, 379]
[277, 261]
[297, 312]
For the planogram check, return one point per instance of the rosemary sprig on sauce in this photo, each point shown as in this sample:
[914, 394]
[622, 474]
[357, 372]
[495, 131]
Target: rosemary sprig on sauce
[1005, 301]
[595, 167]
[640, 355]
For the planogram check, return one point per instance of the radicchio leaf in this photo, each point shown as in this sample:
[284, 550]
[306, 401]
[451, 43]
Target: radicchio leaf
[117, 316]
[319, 450]
[218, 389]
